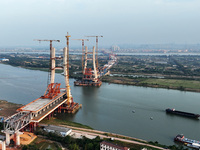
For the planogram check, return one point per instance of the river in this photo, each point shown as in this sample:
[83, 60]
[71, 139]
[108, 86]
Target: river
[109, 107]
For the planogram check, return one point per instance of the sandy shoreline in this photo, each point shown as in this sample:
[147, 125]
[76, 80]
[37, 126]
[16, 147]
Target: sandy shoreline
[8, 108]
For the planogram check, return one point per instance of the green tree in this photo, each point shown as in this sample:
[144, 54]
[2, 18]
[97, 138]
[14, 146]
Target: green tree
[67, 139]
[30, 147]
[90, 146]
[73, 146]
[1, 126]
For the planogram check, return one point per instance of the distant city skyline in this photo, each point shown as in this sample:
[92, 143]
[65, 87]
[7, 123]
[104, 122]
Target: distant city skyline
[129, 47]
[121, 22]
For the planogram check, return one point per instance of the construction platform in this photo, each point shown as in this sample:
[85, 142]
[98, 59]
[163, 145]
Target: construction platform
[82, 83]
[42, 107]
[27, 137]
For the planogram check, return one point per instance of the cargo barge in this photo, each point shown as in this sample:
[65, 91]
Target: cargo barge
[188, 142]
[182, 113]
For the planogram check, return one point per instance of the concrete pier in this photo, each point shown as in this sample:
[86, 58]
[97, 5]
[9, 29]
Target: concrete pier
[3, 145]
[7, 137]
[18, 137]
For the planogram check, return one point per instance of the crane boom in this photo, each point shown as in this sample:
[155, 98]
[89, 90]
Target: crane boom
[47, 40]
[51, 53]
[94, 36]
[81, 39]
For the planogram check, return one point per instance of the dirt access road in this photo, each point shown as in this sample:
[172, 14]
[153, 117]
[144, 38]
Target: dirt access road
[118, 137]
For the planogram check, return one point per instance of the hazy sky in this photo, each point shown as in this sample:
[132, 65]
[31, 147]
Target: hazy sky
[119, 21]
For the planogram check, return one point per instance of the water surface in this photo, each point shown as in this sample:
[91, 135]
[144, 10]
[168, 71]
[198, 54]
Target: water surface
[109, 107]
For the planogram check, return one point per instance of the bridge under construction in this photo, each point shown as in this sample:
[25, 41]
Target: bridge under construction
[90, 76]
[55, 99]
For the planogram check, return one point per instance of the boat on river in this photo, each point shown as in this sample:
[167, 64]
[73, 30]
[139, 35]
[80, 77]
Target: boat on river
[194, 146]
[182, 113]
[188, 142]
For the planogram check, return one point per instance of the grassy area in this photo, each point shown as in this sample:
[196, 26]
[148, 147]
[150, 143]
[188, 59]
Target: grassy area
[7, 108]
[191, 84]
[131, 145]
[47, 145]
[41, 143]
[41, 69]
[65, 122]
[179, 84]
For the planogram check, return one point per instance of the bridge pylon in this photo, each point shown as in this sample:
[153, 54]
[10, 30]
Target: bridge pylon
[55, 99]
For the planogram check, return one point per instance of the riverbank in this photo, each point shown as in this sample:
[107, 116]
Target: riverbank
[177, 84]
[8, 108]
[126, 71]
[181, 84]
[131, 142]
[42, 69]
[55, 121]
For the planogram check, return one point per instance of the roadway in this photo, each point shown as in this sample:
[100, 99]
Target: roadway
[117, 137]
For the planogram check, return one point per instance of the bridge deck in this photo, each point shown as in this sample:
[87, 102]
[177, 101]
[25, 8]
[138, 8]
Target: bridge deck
[49, 110]
[40, 103]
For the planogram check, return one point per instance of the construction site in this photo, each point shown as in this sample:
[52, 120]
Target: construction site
[54, 100]
[91, 74]
[20, 126]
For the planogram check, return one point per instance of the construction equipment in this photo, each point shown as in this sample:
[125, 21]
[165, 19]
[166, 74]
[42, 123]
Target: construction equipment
[83, 53]
[66, 74]
[96, 48]
[90, 77]
[52, 91]
[47, 40]
[51, 74]
[55, 99]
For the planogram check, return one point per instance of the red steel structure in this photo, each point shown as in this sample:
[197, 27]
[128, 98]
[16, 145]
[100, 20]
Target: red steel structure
[52, 91]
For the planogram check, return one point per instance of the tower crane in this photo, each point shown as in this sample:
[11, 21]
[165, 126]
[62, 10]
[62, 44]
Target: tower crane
[82, 51]
[51, 54]
[96, 46]
[49, 41]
